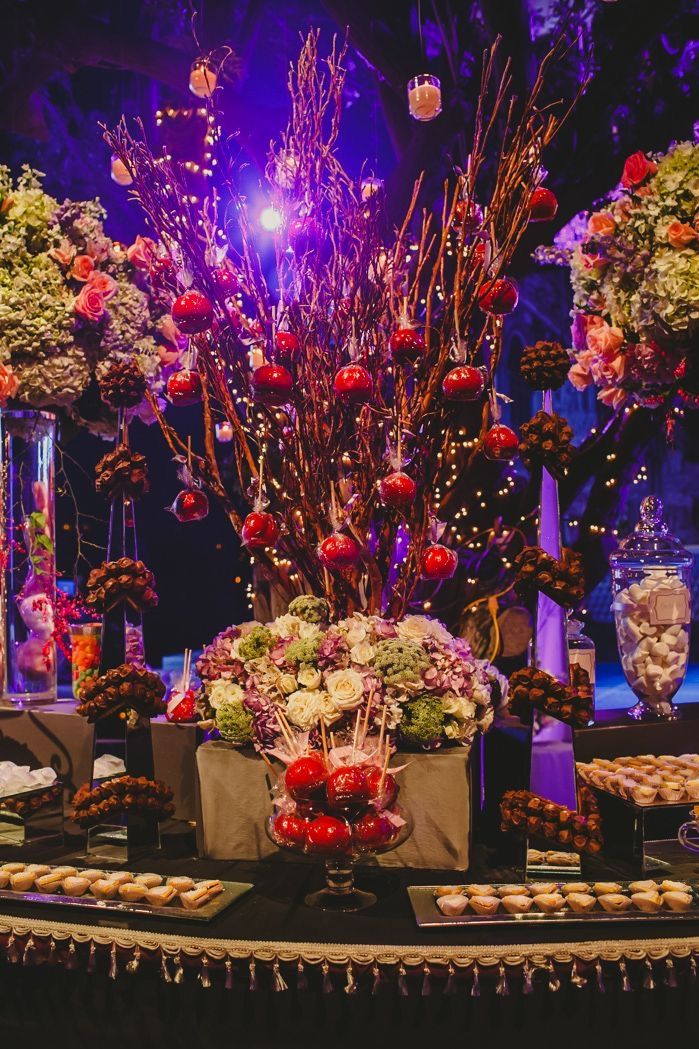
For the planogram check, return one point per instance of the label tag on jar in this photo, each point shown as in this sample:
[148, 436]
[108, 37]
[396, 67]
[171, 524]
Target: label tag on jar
[585, 658]
[666, 607]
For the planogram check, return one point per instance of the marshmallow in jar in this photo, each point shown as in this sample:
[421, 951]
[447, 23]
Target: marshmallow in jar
[424, 97]
[651, 586]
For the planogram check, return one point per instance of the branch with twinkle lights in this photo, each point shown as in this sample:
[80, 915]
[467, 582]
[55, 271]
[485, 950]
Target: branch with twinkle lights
[345, 382]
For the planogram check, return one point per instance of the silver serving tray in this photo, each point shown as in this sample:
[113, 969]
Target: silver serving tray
[232, 891]
[428, 915]
[660, 803]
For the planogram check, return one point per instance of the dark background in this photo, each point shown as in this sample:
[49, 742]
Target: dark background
[65, 67]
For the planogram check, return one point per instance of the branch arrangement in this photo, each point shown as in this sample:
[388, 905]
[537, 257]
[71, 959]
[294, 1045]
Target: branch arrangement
[358, 382]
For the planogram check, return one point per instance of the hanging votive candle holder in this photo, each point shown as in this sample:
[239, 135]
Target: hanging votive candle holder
[424, 97]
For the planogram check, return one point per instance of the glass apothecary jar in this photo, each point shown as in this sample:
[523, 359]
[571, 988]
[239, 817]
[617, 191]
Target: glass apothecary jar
[651, 588]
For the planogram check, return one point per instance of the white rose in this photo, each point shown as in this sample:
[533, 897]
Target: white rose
[345, 688]
[307, 630]
[309, 677]
[416, 628]
[224, 692]
[355, 630]
[362, 652]
[303, 708]
[286, 625]
[288, 684]
[458, 707]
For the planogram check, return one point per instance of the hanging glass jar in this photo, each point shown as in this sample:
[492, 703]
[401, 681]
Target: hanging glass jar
[27, 550]
[651, 588]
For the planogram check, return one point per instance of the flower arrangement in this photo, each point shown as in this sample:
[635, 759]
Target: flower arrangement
[72, 302]
[410, 676]
[635, 277]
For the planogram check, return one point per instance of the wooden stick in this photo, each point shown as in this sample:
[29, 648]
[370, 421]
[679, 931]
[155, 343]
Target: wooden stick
[325, 741]
[356, 734]
[382, 729]
[269, 764]
[384, 770]
[365, 726]
[285, 733]
[332, 740]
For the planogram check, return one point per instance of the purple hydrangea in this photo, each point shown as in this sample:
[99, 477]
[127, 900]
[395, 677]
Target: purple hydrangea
[265, 724]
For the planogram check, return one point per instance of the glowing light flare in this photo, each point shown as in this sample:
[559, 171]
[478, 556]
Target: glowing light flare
[271, 219]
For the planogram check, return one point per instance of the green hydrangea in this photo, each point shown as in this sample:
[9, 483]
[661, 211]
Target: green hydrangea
[399, 662]
[423, 720]
[310, 609]
[256, 643]
[234, 723]
[305, 650]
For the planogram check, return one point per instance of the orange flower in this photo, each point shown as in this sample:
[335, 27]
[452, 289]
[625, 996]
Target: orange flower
[681, 234]
[601, 223]
[9, 384]
[82, 267]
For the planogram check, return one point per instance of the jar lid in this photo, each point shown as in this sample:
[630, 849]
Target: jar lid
[651, 542]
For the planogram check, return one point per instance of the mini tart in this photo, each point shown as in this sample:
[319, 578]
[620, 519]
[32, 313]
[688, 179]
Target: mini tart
[199, 895]
[581, 887]
[132, 892]
[517, 904]
[535, 856]
[480, 890]
[543, 888]
[581, 902]
[92, 874]
[119, 877]
[672, 791]
[181, 883]
[549, 902]
[644, 794]
[37, 869]
[50, 882]
[104, 889]
[161, 895]
[606, 888]
[614, 902]
[512, 890]
[484, 904]
[212, 885]
[13, 868]
[692, 788]
[674, 886]
[452, 904]
[643, 886]
[677, 901]
[76, 886]
[22, 881]
[4, 879]
[649, 902]
[149, 880]
[65, 872]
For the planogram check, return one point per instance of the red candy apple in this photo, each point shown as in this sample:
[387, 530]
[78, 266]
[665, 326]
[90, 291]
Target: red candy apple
[406, 345]
[287, 342]
[291, 829]
[161, 270]
[181, 706]
[184, 387]
[260, 529]
[192, 312]
[328, 834]
[498, 296]
[397, 490]
[386, 794]
[467, 216]
[463, 383]
[438, 562]
[339, 551]
[191, 504]
[543, 205]
[353, 384]
[272, 384]
[305, 777]
[347, 787]
[225, 280]
[372, 830]
[304, 234]
[500, 442]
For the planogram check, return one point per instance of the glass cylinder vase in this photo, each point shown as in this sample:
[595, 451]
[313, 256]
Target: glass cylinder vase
[27, 550]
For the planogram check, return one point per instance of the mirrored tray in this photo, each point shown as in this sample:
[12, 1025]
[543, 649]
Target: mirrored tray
[428, 915]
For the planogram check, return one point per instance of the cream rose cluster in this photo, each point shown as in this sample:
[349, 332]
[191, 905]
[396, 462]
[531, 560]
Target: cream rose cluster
[411, 676]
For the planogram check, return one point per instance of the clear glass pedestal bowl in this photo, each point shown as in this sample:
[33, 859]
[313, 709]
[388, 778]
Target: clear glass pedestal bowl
[340, 892]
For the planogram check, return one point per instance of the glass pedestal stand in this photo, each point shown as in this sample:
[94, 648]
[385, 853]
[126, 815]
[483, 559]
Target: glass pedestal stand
[340, 892]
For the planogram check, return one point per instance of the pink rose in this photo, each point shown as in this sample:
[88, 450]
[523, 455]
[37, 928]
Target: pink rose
[82, 267]
[582, 323]
[608, 370]
[637, 169]
[63, 254]
[141, 252]
[601, 224]
[89, 303]
[613, 396]
[8, 384]
[104, 284]
[579, 376]
[681, 234]
[605, 339]
[593, 261]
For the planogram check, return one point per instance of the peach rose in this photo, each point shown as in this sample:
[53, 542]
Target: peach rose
[579, 376]
[63, 254]
[89, 303]
[681, 234]
[605, 339]
[82, 267]
[608, 370]
[613, 397]
[141, 252]
[8, 384]
[104, 284]
[602, 224]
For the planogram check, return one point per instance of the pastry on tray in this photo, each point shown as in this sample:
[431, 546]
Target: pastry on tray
[149, 880]
[132, 892]
[53, 882]
[484, 905]
[581, 902]
[517, 904]
[161, 895]
[614, 902]
[549, 902]
[450, 905]
[649, 902]
[104, 889]
[675, 900]
[76, 886]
